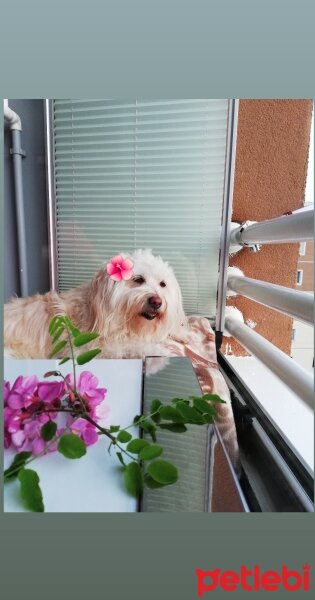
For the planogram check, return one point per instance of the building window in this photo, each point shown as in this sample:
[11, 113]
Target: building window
[293, 334]
[302, 251]
[299, 277]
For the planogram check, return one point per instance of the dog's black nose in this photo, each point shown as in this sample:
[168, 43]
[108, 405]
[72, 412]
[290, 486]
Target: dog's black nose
[155, 302]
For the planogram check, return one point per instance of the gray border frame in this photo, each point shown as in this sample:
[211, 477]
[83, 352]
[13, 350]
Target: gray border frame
[241, 49]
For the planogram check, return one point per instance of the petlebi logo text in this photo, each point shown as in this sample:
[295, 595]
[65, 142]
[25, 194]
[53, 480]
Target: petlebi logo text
[254, 579]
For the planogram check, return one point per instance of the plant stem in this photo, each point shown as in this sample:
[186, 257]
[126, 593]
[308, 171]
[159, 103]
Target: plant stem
[109, 435]
[53, 410]
[141, 420]
[73, 359]
[74, 371]
[19, 468]
[102, 429]
[27, 462]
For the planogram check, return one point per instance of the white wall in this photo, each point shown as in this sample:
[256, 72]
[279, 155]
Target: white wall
[302, 349]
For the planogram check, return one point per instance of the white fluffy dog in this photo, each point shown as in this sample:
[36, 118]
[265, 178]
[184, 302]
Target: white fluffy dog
[132, 317]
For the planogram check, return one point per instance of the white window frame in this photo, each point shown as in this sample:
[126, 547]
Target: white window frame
[302, 250]
[299, 277]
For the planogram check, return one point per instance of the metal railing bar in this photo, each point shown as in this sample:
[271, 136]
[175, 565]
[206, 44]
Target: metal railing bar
[299, 305]
[297, 227]
[293, 375]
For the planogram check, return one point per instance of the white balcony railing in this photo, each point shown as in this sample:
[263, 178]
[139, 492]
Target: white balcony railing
[299, 305]
[295, 227]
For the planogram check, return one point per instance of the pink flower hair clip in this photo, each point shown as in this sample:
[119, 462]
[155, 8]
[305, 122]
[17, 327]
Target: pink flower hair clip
[120, 268]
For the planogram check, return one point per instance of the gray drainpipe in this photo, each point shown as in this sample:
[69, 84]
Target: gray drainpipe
[14, 122]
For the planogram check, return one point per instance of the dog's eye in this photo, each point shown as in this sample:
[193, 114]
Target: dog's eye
[162, 284]
[139, 280]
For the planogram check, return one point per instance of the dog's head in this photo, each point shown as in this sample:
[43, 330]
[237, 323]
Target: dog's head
[149, 304]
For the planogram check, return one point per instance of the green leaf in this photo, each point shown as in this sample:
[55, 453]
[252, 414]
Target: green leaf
[64, 360]
[133, 479]
[174, 427]
[58, 333]
[55, 322]
[87, 356]
[214, 398]
[71, 446]
[120, 458]
[84, 338]
[58, 347]
[48, 430]
[151, 483]
[74, 330]
[169, 413]
[151, 451]
[204, 407]
[175, 400]
[149, 428]
[136, 445]
[209, 418]
[114, 428]
[190, 414]
[137, 419]
[155, 405]
[124, 436]
[30, 491]
[163, 471]
[18, 463]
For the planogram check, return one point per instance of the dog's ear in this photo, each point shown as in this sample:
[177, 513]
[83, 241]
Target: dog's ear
[99, 294]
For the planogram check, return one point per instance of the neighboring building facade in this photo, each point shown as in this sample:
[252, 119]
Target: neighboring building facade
[302, 349]
[305, 267]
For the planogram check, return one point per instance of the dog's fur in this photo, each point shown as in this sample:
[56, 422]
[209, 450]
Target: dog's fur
[118, 311]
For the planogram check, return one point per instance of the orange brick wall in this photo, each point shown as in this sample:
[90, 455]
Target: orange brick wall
[270, 176]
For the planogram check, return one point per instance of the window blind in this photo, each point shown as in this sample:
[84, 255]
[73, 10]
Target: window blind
[137, 174]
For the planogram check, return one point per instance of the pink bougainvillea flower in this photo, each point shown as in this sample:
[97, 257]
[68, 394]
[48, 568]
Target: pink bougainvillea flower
[93, 396]
[21, 393]
[49, 391]
[12, 419]
[86, 431]
[28, 436]
[101, 414]
[6, 391]
[33, 438]
[22, 424]
[29, 404]
[7, 414]
[120, 268]
[87, 387]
